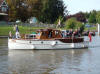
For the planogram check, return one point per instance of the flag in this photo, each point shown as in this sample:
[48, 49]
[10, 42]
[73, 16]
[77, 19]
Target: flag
[59, 23]
[90, 37]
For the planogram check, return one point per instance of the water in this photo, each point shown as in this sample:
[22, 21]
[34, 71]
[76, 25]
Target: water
[77, 61]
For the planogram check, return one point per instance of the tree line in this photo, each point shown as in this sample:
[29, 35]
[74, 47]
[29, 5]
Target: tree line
[80, 19]
[49, 11]
[46, 11]
[91, 17]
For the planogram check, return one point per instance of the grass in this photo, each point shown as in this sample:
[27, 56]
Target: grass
[91, 29]
[4, 30]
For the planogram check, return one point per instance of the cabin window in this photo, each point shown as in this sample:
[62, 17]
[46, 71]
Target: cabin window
[30, 36]
[4, 9]
[38, 34]
[44, 34]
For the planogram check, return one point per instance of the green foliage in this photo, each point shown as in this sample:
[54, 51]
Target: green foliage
[98, 17]
[59, 18]
[52, 10]
[4, 30]
[91, 28]
[87, 15]
[46, 11]
[92, 17]
[12, 13]
[78, 24]
[72, 23]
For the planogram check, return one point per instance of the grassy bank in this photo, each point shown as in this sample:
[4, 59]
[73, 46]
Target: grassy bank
[4, 30]
[91, 29]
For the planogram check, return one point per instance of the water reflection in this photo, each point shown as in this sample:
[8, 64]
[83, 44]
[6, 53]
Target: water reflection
[44, 61]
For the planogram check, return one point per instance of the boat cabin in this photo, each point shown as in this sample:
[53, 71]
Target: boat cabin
[48, 34]
[52, 34]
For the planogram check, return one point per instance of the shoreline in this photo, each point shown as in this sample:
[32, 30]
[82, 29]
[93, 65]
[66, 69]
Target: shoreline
[4, 36]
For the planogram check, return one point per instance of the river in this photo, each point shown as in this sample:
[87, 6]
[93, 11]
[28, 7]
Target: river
[71, 61]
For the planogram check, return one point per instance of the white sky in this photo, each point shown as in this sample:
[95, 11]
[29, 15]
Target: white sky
[74, 6]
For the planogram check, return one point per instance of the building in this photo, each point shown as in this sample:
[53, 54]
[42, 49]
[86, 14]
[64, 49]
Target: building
[3, 10]
[3, 6]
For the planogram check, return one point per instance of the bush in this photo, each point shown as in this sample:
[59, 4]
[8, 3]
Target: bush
[72, 23]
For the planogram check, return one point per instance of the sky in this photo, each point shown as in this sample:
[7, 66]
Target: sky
[75, 6]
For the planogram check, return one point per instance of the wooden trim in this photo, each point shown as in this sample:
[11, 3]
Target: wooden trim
[70, 40]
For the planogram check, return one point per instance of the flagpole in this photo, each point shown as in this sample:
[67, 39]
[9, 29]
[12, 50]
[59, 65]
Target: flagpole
[98, 29]
[30, 29]
[90, 37]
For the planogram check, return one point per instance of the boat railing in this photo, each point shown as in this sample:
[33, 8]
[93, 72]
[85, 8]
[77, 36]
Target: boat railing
[86, 43]
[30, 36]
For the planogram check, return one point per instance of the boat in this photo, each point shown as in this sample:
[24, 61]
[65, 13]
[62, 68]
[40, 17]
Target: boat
[47, 39]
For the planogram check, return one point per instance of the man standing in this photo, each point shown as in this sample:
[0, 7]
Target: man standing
[17, 31]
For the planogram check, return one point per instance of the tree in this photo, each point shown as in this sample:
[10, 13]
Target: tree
[52, 10]
[12, 13]
[44, 10]
[72, 23]
[98, 17]
[92, 17]
[87, 15]
[37, 7]
[80, 17]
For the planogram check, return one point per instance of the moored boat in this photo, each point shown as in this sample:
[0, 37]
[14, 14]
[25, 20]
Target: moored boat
[47, 39]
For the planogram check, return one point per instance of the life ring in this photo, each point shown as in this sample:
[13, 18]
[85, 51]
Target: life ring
[53, 43]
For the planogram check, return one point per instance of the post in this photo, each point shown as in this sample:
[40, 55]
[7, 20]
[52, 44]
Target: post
[98, 29]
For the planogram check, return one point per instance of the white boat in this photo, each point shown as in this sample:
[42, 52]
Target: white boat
[47, 39]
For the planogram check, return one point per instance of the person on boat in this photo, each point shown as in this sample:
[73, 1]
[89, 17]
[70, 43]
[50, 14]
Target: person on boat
[79, 32]
[50, 34]
[17, 32]
[59, 23]
[63, 33]
[76, 33]
[70, 33]
[10, 34]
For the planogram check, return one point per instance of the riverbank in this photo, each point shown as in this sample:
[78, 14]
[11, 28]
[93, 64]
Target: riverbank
[4, 30]
[3, 36]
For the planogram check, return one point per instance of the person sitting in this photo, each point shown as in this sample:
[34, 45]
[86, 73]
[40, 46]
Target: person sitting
[70, 33]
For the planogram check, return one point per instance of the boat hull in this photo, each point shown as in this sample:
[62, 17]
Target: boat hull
[44, 44]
